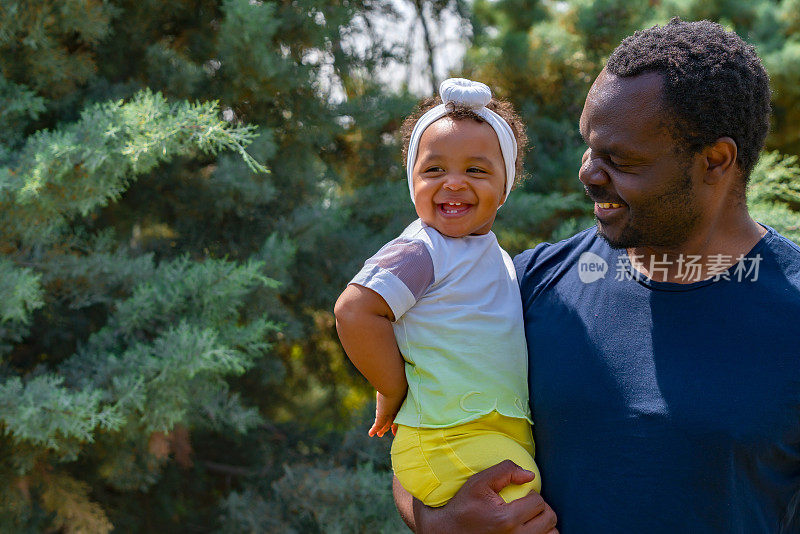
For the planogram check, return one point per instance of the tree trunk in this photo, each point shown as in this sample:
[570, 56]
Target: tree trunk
[418, 4]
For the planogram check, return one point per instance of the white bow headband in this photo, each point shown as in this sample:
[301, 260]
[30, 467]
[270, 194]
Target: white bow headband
[474, 95]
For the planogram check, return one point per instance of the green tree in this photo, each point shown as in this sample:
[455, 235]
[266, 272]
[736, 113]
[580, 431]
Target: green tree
[185, 188]
[165, 299]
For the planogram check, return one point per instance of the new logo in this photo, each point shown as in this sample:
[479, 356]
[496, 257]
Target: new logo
[591, 267]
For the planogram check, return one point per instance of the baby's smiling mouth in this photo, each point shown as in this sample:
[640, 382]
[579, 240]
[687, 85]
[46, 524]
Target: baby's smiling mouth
[453, 208]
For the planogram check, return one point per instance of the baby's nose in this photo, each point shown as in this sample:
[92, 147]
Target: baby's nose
[454, 182]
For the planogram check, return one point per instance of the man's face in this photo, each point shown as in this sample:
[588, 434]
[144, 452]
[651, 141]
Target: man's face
[644, 189]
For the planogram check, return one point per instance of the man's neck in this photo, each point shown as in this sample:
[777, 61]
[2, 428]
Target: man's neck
[707, 254]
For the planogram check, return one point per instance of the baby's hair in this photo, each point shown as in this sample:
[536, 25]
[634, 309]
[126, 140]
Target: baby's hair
[459, 112]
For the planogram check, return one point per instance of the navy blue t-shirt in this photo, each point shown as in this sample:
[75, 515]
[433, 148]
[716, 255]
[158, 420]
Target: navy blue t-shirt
[662, 407]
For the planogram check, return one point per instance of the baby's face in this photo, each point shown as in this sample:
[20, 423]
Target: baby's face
[459, 177]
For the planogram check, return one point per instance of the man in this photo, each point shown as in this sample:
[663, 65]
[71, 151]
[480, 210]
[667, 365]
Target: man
[664, 362]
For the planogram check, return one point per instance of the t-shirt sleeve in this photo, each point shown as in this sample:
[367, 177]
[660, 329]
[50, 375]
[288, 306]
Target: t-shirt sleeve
[531, 270]
[401, 272]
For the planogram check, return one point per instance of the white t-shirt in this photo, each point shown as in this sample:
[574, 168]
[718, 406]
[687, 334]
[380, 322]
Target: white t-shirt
[458, 324]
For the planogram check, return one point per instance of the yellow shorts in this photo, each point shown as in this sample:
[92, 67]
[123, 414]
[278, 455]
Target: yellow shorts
[433, 463]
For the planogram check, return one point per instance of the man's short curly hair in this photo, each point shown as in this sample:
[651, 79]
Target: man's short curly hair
[714, 84]
[459, 112]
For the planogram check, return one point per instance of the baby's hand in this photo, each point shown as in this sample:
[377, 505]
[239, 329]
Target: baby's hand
[385, 411]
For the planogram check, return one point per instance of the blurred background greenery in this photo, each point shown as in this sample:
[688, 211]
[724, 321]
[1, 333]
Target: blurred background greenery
[185, 188]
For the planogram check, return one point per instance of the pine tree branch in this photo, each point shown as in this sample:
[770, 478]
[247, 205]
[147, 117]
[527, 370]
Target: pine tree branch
[85, 165]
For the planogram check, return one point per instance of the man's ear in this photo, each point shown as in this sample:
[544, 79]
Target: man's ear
[720, 160]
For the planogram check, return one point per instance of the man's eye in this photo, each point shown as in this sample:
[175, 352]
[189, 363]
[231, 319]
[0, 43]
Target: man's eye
[619, 164]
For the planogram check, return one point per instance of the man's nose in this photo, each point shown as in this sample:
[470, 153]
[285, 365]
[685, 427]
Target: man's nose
[592, 171]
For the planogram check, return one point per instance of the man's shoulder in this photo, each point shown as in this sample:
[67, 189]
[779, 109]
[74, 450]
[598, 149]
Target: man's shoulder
[546, 257]
[786, 254]
[783, 244]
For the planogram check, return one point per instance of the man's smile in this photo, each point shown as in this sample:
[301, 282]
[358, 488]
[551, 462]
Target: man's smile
[601, 197]
[607, 211]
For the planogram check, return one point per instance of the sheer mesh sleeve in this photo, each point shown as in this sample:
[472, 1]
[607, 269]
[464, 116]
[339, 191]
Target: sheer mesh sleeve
[401, 272]
[409, 261]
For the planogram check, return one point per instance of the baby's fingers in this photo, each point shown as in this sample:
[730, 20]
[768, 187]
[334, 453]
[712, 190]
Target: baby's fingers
[380, 426]
[384, 428]
[376, 427]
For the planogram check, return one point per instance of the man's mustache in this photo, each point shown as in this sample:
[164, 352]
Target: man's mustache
[598, 194]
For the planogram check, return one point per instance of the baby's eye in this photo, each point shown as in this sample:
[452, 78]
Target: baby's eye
[475, 169]
[434, 168]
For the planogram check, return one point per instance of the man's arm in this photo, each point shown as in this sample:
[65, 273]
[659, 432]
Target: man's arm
[404, 503]
[477, 507]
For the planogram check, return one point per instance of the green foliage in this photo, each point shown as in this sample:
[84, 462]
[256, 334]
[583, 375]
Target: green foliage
[45, 413]
[20, 107]
[331, 500]
[774, 193]
[158, 359]
[47, 42]
[526, 217]
[185, 188]
[21, 293]
[74, 170]
[314, 499]
[784, 66]
[344, 487]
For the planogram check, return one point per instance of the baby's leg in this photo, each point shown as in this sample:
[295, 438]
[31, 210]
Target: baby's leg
[490, 440]
[411, 450]
[433, 464]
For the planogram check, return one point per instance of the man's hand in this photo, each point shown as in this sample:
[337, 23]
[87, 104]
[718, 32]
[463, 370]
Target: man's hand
[385, 411]
[477, 507]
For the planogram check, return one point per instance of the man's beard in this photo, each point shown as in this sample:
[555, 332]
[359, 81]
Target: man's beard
[667, 220]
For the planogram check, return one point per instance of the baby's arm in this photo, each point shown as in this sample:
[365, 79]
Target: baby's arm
[364, 323]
